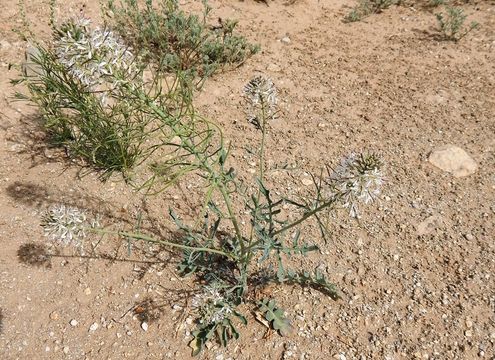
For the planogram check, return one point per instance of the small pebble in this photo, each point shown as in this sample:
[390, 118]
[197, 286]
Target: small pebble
[93, 327]
[307, 181]
[469, 237]
[144, 326]
[74, 322]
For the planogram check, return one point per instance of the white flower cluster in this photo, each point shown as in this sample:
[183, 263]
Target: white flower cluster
[358, 178]
[94, 56]
[212, 306]
[261, 96]
[67, 224]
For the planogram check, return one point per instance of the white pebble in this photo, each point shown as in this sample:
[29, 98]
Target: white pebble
[144, 326]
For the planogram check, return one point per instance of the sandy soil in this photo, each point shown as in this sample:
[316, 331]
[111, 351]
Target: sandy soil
[417, 273]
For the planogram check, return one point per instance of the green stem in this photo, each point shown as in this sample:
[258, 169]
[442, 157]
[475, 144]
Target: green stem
[232, 217]
[306, 216]
[261, 159]
[262, 147]
[207, 167]
[163, 242]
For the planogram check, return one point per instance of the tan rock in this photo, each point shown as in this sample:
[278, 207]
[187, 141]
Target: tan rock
[307, 181]
[454, 160]
[30, 67]
[273, 67]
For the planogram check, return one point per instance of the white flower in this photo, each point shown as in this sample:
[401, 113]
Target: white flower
[358, 178]
[211, 306]
[94, 56]
[67, 224]
[261, 96]
[261, 89]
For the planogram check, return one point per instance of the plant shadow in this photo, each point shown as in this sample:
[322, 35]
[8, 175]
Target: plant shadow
[40, 196]
[35, 254]
[431, 35]
[31, 138]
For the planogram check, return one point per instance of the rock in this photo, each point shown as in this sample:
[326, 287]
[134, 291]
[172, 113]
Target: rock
[285, 40]
[469, 237]
[144, 326]
[73, 322]
[54, 316]
[454, 160]
[273, 67]
[29, 67]
[307, 181]
[429, 225]
[66, 350]
[87, 291]
[93, 327]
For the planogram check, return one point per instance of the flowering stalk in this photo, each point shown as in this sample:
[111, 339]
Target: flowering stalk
[94, 57]
[67, 224]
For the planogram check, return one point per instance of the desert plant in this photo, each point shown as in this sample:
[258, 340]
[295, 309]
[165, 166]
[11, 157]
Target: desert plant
[79, 84]
[85, 84]
[451, 24]
[365, 8]
[174, 40]
[231, 259]
[89, 90]
[435, 3]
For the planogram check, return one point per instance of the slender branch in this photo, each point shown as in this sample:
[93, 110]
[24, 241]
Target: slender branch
[163, 242]
[306, 216]
[232, 216]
